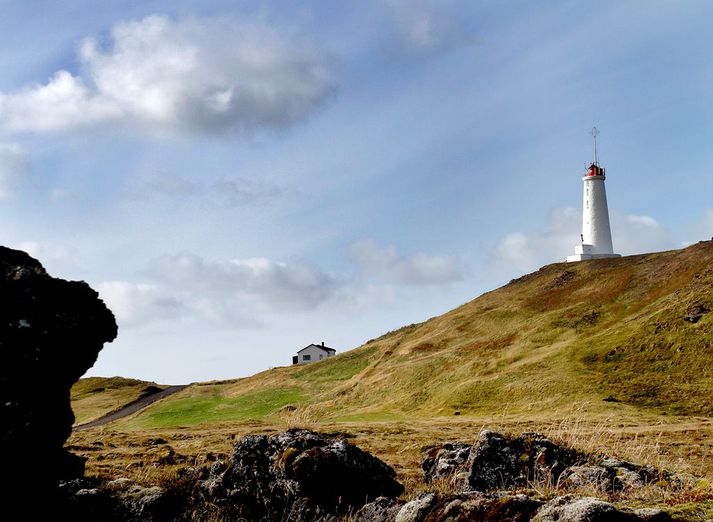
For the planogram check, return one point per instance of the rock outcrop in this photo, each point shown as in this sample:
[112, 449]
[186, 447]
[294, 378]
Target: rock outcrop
[610, 474]
[303, 476]
[588, 509]
[498, 462]
[51, 331]
[298, 475]
[119, 500]
[500, 507]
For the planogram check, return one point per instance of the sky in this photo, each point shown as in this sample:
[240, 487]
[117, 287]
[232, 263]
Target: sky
[240, 179]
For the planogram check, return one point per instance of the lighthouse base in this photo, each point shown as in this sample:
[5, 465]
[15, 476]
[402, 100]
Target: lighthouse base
[584, 252]
[584, 257]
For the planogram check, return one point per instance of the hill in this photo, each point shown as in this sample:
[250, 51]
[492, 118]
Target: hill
[93, 397]
[622, 336]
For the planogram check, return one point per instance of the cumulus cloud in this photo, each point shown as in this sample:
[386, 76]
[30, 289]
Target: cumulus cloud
[262, 281]
[423, 27]
[15, 166]
[251, 292]
[136, 304]
[416, 269]
[48, 252]
[178, 76]
[234, 293]
[526, 251]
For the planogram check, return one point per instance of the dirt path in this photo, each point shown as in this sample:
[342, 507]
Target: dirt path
[128, 409]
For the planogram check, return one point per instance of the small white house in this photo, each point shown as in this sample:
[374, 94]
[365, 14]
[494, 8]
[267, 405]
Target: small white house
[312, 353]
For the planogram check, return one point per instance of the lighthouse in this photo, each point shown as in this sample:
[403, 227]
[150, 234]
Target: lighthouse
[596, 232]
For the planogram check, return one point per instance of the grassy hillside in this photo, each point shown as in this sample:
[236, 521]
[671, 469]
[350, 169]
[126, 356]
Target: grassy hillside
[93, 397]
[566, 334]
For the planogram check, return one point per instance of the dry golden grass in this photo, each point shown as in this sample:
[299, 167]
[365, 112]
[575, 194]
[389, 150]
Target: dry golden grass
[565, 334]
[681, 444]
[539, 354]
[94, 397]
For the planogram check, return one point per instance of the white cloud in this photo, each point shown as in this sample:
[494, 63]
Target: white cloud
[15, 166]
[255, 291]
[423, 26]
[263, 282]
[416, 269]
[48, 252]
[178, 76]
[526, 251]
[241, 292]
[136, 304]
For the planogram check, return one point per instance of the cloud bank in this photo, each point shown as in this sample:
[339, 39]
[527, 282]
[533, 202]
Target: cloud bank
[190, 76]
[239, 292]
[249, 292]
[271, 284]
[527, 251]
[417, 269]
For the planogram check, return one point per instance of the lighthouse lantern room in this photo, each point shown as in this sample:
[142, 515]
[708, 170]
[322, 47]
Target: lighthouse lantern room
[595, 239]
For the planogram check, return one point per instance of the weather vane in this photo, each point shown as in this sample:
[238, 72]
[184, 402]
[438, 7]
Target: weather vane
[595, 133]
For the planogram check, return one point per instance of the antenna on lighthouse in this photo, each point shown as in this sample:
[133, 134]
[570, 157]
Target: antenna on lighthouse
[595, 133]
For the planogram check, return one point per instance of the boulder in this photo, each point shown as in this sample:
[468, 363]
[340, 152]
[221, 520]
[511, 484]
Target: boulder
[51, 332]
[496, 461]
[298, 475]
[611, 474]
[586, 476]
[428, 507]
[486, 507]
[587, 509]
[417, 509]
[120, 500]
[383, 509]
[447, 462]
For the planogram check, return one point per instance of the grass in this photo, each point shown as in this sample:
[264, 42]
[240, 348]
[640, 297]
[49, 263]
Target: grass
[212, 406]
[681, 444]
[336, 369]
[93, 397]
[566, 333]
[535, 354]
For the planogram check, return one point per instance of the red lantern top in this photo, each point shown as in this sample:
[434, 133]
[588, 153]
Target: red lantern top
[595, 170]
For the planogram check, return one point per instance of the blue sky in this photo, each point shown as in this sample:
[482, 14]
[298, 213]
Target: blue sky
[239, 179]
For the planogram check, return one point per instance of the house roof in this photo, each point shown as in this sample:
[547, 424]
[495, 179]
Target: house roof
[325, 348]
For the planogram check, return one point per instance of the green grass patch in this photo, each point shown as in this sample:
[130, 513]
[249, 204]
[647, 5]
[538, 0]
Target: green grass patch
[215, 407]
[340, 368]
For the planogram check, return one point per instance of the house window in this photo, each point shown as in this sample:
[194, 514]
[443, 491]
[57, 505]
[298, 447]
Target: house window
[306, 357]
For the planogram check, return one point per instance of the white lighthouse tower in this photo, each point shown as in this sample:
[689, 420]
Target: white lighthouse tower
[596, 232]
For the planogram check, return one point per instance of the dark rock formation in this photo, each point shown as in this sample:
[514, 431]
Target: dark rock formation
[468, 506]
[498, 462]
[302, 476]
[497, 507]
[383, 509]
[51, 331]
[588, 509]
[120, 500]
[612, 474]
[695, 312]
[298, 475]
